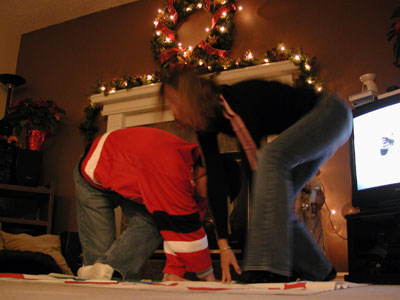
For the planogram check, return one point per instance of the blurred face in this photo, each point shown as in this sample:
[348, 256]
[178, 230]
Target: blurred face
[176, 104]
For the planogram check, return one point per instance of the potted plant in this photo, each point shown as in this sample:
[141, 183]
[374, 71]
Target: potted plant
[38, 118]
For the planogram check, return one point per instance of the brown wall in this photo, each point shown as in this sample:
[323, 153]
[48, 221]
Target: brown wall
[64, 61]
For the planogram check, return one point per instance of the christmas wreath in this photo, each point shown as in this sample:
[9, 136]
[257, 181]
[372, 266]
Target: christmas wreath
[211, 52]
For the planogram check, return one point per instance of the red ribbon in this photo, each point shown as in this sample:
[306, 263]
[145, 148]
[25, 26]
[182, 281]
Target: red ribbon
[172, 11]
[218, 14]
[165, 30]
[213, 51]
[166, 55]
[208, 5]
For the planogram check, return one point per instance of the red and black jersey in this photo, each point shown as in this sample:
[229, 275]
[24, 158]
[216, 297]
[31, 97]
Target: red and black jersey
[155, 168]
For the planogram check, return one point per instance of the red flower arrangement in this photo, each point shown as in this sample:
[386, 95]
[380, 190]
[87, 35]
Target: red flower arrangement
[34, 115]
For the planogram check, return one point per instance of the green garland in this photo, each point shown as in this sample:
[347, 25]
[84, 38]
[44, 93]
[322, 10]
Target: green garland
[89, 127]
[306, 65]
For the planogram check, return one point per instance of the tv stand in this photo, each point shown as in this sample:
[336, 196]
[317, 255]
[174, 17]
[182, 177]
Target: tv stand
[374, 246]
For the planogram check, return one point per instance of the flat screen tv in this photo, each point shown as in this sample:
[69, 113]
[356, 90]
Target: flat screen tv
[375, 153]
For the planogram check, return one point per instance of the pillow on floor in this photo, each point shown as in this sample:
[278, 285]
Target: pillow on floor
[46, 244]
[27, 262]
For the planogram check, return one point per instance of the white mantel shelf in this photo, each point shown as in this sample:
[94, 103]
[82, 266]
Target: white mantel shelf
[140, 105]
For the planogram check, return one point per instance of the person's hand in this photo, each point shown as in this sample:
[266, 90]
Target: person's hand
[209, 277]
[227, 258]
[173, 277]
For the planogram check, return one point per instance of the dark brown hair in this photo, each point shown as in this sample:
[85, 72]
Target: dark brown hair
[199, 95]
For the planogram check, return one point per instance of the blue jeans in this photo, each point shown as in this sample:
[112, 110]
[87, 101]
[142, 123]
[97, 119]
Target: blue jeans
[96, 226]
[277, 241]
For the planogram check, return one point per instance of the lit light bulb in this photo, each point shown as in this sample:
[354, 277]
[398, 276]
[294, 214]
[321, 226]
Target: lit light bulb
[125, 83]
[309, 81]
[167, 39]
[266, 60]
[188, 9]
[319, 89]
[190, 48]
[307, 66]
[159, 11]
[199, 5]
[180, 44]
[158, 33]
[297, 57]
[171, 17]
[283, 48]
[149, 77]
[103, 88]
[249, 55]
[155, 23]
[207, 29]
[209, 67]
[224, 14]
[240, 7]
[222, 28]
[185, 53]
[112, 91]
[333, 212]
[201, 62]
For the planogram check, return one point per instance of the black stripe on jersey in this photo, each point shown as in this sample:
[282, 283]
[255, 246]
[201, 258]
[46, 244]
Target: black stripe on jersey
[180, 224]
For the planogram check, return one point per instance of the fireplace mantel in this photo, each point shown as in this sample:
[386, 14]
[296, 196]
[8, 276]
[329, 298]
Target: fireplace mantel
[140, 106]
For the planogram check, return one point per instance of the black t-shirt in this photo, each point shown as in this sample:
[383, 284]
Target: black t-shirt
[266, 108]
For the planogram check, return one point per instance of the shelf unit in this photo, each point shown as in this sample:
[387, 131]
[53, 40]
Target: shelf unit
[26, 207]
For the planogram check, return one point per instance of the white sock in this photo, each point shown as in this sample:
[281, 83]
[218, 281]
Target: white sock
[96, 271]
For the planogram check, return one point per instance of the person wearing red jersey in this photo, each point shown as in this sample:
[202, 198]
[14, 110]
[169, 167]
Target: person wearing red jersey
[152, 175]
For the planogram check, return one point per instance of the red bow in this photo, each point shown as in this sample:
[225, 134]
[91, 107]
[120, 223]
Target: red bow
[213, 51]
[218, 14]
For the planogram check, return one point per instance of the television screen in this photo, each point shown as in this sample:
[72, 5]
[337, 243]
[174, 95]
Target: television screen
[375, 153]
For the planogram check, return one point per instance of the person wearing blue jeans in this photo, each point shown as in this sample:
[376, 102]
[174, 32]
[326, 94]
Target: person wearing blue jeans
[310, 128]
[287, 164]
[130, 251]
[158, 181]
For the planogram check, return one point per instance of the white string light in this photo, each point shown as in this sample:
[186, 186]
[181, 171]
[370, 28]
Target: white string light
[249, 55]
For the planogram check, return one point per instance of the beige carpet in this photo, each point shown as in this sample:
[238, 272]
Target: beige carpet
[48, 287]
